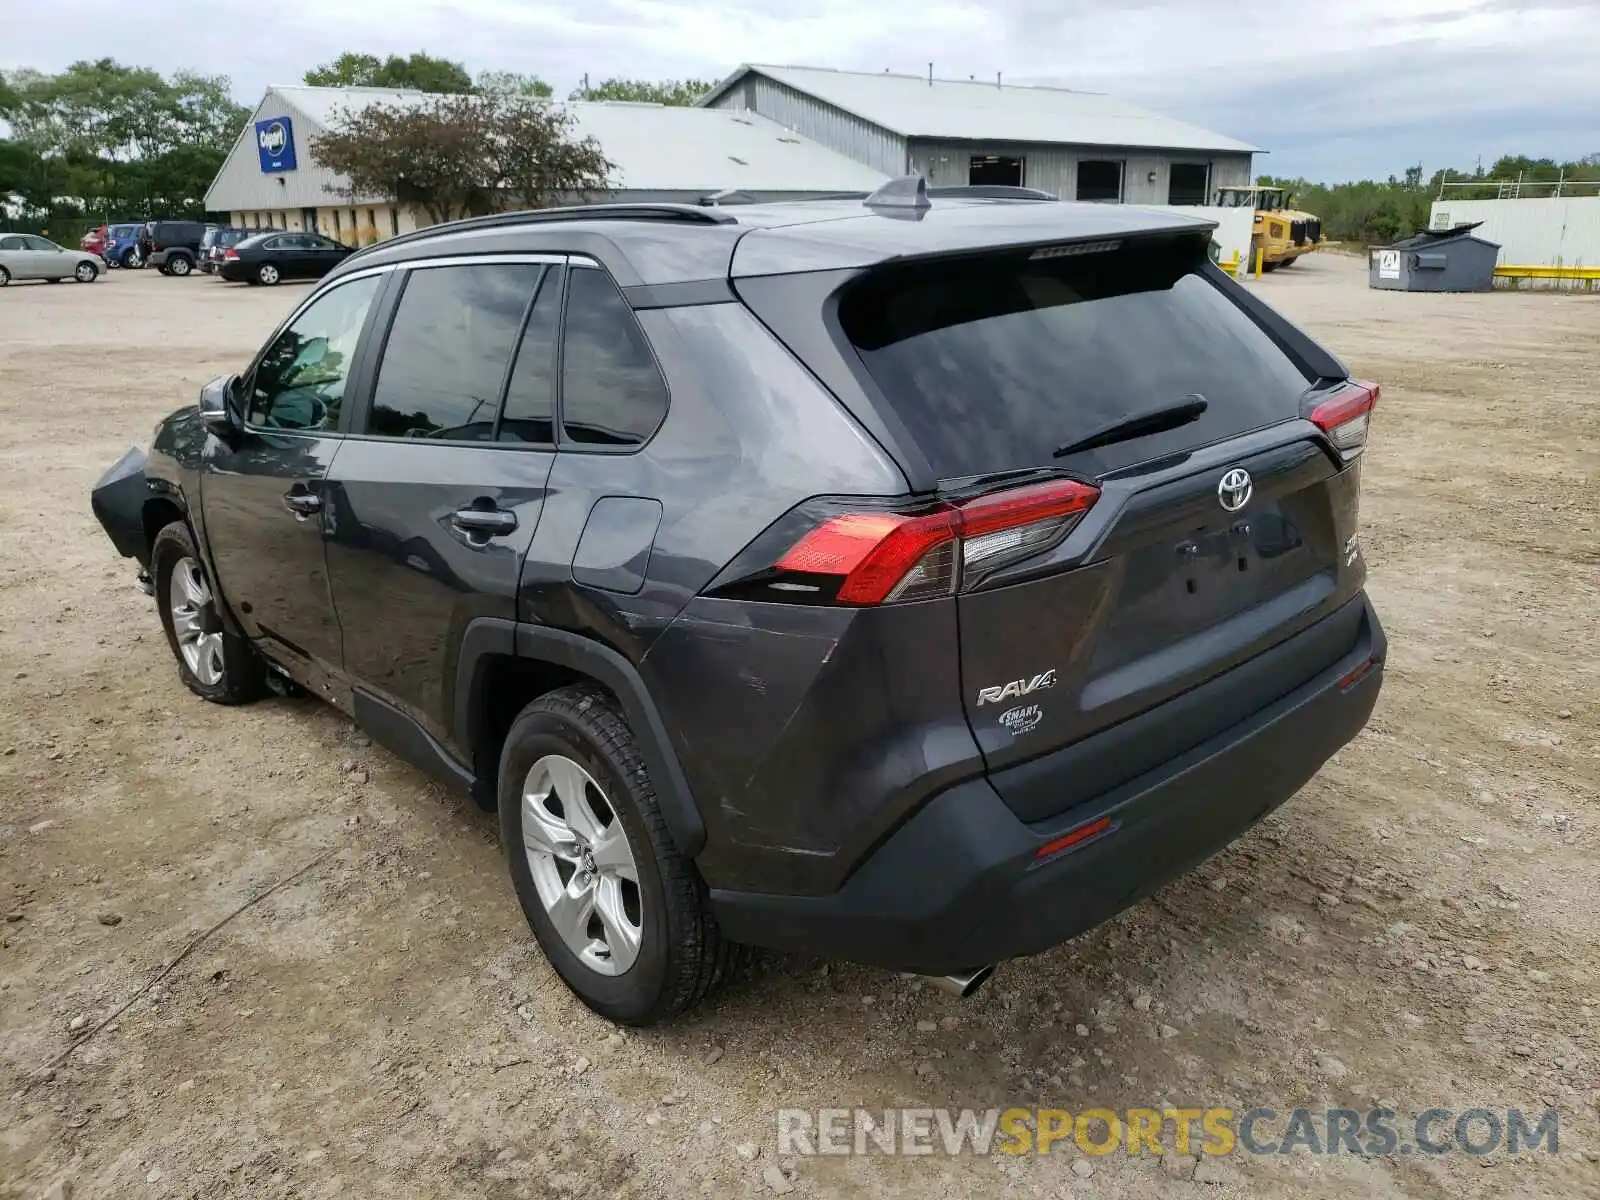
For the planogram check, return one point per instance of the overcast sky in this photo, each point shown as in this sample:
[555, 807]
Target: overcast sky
[1349, 89]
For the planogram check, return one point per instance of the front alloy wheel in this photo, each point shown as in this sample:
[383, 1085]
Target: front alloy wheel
[582, 865]
[85, 273]
[267, 274]
[195, 623]
[214, 664]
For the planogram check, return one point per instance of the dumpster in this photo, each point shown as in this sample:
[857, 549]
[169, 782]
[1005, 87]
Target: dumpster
[1436, 260]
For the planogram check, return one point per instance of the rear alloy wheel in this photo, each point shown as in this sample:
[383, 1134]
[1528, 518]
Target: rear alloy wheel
[582, 865]
[214, 664]
[5, 277]
[268, 274]
[620, 913]
[179, 265]
[131, 260]
[86, 273]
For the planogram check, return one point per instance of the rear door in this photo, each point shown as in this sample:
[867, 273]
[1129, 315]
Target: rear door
[1210, 541]
[438, 491]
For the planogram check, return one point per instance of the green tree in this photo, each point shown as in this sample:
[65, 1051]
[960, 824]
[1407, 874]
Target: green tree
[103, 139]
[512, 83]
[420, 72]
[457, 156]
[681, 92]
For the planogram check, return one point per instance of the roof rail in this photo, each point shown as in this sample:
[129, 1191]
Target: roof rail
[908, 191]
[687, 214]
[726, 196]
[993, 191]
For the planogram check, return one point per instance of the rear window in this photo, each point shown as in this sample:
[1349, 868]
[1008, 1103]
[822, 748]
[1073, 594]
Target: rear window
[993, 364]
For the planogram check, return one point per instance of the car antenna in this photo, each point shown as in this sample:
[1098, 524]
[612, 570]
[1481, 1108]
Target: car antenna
[909, 191]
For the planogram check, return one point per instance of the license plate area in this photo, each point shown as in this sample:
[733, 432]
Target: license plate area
[1177, 586]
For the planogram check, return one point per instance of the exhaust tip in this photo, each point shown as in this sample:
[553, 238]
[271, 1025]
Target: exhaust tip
[964, 984]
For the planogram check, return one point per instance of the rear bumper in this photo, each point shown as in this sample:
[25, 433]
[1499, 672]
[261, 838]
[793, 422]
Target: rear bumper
[959, 885]
[118, 502]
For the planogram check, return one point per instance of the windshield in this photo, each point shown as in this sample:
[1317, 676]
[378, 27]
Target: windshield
[992, 364]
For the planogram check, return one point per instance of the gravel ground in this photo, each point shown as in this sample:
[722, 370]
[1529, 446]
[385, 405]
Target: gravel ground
[1417, 926]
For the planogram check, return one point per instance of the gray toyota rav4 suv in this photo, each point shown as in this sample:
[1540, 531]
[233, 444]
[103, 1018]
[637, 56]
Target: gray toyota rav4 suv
[914, 579]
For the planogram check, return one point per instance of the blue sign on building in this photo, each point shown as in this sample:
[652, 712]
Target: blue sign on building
[275, 141]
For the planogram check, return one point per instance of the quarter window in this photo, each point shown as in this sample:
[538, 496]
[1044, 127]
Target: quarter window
[299, 382]
[445, 361]
[612, 393]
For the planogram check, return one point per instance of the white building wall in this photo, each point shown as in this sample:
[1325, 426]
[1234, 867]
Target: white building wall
[242, 185]
[1545, 232]
[1054, 168]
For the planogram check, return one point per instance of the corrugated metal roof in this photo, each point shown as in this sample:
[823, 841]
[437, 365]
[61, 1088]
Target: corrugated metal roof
[972, 111]
[658, 147]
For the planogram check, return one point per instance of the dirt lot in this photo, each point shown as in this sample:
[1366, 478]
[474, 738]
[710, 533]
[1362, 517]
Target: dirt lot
[1417, 926]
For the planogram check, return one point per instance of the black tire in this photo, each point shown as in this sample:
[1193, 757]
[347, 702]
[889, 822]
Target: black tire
[682, 955]
[94, 273]
[130, 259]
[5, 277]
[269, 274]
[180, 265]
[243, 676]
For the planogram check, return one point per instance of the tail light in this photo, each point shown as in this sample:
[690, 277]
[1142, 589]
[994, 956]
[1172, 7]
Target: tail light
[1345, 417]
[819, 554]
[230, 252]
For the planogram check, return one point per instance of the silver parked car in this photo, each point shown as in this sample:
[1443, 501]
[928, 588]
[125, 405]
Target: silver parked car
[28, 256]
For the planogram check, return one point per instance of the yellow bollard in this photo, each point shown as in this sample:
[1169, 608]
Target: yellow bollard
[1261, 256]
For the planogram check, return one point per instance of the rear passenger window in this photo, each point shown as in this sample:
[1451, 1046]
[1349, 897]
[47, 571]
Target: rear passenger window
[448, 349]
[612, 393]
[529, 414]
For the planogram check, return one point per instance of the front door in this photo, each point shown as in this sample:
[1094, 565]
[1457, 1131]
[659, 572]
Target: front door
[434, 506]
[262, 496]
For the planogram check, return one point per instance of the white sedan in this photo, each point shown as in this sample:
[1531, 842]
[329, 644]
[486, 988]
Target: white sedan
[28, 256]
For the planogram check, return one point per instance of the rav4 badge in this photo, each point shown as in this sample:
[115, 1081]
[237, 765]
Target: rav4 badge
[1017, 688]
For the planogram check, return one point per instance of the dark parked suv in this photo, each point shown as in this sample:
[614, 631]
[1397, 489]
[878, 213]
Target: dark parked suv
[172, 247]
[916, 582]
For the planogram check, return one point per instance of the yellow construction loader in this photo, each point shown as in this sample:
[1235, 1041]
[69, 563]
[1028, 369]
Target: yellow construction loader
[1281, 233]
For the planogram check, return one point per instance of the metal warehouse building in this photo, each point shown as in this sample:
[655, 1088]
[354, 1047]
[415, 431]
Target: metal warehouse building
[1077, 145]
[271, 177]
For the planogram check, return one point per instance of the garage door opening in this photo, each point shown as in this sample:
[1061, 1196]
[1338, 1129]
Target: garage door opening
[1188, 183]
[1100, 179]
[994, 170]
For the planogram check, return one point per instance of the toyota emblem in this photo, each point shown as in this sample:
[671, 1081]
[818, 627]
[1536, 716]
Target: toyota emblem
[1234, 489]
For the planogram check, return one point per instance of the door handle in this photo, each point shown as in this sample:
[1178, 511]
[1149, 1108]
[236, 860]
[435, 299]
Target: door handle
[485, 522]
[302, 504]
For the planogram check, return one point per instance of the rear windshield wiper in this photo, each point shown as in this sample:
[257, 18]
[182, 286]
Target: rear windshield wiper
[1157, 420]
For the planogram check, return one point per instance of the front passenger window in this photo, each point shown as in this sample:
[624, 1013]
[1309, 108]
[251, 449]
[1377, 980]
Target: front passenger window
[299, 382]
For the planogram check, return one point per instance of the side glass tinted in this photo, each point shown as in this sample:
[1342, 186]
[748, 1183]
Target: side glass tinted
[299, 382]
[448, 349]
[529, 413]
[612, 393]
